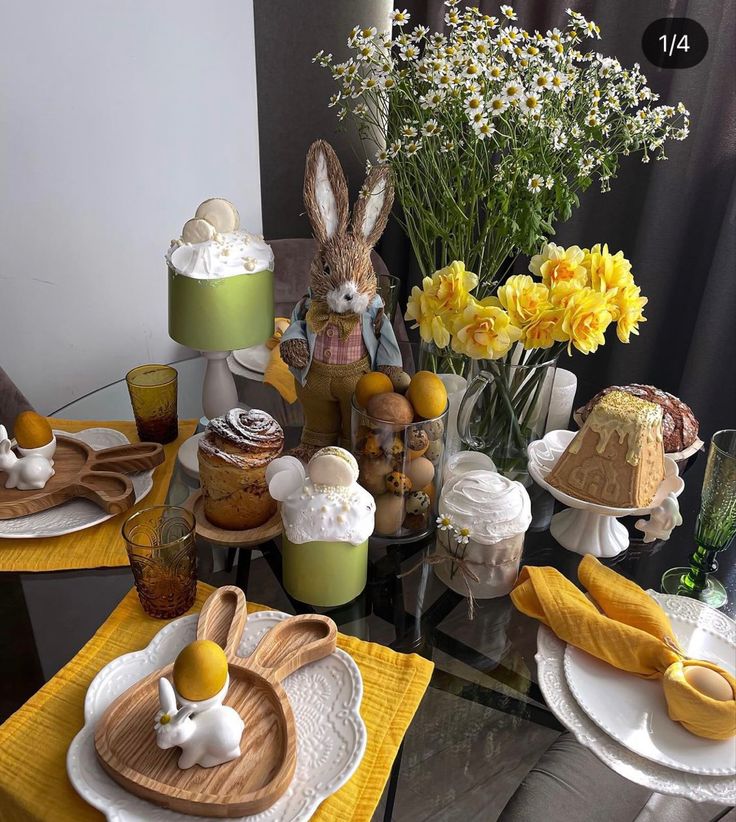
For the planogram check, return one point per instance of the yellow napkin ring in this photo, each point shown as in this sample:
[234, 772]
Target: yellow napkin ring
[703, 703]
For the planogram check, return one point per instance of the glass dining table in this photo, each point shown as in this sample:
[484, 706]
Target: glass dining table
[483, 723]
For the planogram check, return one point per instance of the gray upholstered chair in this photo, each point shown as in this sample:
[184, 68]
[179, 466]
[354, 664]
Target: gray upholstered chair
[12, 401]
[570, 783]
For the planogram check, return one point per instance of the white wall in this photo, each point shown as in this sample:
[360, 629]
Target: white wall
[117, 117]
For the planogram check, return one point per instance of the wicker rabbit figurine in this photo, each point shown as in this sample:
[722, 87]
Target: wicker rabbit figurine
[339, 331]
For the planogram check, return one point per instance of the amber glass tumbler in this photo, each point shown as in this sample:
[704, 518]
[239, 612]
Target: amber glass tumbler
[152, 390]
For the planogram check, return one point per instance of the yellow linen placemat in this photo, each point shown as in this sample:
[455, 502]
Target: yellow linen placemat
[100, 546]
[35, 739]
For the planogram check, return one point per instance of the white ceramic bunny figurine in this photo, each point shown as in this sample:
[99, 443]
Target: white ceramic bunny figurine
[208, 732]
[662, 521]
[27, 473]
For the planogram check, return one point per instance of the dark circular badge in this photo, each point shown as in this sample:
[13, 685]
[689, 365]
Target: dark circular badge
[674, 42]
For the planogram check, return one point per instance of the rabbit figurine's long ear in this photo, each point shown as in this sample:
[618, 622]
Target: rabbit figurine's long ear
[3, 433]
[325, 192]
[373, 206]
[166, 696]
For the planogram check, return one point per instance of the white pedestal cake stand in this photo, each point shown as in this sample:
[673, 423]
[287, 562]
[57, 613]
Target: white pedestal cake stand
[588, 528]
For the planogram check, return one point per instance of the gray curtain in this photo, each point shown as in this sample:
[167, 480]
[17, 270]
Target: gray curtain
[675, 219]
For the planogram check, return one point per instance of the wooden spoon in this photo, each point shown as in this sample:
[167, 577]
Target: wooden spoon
[126, 742]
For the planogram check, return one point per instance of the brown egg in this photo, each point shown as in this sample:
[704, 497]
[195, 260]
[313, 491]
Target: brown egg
[392, 408]
[373, 473]
[389, 514]
[708, 682]
[420, 471]
[416, 522]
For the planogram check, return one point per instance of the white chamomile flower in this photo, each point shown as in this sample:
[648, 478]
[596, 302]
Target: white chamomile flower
[542, 81]
[549, 183]
[164, 719]
[366, 51]
[482, 47]
[432, 98]
[409, 52]
[412, 147]
[408, 132]
[387, 83]
[473, 103]
[497, 105]
[593, 29]
[370, 83]
[530, 103]
[420, 32]
[444, 523]
[334, 99]
[447, 145]
[497, 71]
[382, 156]
[484, 129]
[557, 82]
[430, 128]
[462, 536]
[394, 148]
[508, 12]
[360, 110]
[513, 91]
[472, 70]
[400, 18]
[535, 183]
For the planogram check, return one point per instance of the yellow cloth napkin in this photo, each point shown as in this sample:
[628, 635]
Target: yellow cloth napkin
[34, 740]
[277, 371]
[627, 629]
[100, 546]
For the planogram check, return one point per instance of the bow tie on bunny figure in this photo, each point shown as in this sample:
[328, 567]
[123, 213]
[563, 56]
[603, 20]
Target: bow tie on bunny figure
[339, 331]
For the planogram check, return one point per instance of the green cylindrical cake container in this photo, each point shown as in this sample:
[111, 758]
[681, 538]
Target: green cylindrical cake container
[221, 314]
[324, 573]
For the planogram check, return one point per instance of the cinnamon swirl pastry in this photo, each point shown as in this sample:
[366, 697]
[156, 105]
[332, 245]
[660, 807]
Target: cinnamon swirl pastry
[233, 455]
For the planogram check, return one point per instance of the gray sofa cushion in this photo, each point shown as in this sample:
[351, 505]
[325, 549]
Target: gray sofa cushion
[569, 783]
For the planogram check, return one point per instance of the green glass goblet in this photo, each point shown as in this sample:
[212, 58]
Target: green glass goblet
[715, 528]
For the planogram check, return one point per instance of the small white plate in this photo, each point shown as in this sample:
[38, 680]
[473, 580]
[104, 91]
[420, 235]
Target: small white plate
[76, 514]
[633, 710]
[325, 697]
[255, 358]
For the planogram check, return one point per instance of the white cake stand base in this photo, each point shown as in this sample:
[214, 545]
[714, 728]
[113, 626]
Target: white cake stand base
[586, 532]
[589, 528]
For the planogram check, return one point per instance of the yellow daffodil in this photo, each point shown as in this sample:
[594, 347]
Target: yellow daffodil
[561, 292]
[607, 270]
[544, 330]
[585, 320]
[452, 286]
[437, 306]
[523, 298]
[423, 309]
[630, 305]
[557, 264]
[485, 332]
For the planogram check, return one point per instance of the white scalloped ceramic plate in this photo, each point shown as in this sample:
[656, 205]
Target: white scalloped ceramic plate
[550, 669]
[77, 514]
[325, 697]
[544, 453]
[633, 710]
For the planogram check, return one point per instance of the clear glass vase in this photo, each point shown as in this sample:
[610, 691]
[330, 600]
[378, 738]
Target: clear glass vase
[505, 408]
[442, 360]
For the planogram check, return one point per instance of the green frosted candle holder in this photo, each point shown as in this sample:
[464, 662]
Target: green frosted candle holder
[324, 573]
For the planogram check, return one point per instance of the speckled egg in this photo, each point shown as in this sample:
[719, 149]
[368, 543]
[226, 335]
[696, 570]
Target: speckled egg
[371, 446]
[434, 451]
[373, 473]
[417, 502]
[395, 448]
[398, 483]
[401, 382]
[420, 472]
[417, 443]
[434, 429]
[389, 514]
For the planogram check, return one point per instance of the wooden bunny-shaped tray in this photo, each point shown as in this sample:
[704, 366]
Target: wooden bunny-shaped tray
[81, 471]
[126, 742]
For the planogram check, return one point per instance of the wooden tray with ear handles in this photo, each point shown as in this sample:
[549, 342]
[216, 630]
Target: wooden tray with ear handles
[81, 471]
[126, 742]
